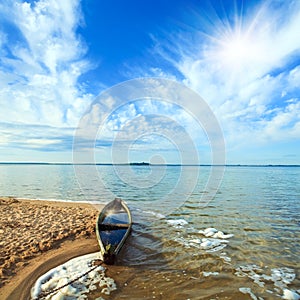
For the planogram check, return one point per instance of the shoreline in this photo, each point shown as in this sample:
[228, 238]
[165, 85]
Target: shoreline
[38, 235]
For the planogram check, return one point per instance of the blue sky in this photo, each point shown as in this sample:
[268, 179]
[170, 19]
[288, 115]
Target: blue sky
[241, 57]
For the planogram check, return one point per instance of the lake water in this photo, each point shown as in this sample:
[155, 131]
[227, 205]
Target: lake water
[242, 243]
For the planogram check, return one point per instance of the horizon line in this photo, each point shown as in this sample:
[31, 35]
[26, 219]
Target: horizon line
[150, 164]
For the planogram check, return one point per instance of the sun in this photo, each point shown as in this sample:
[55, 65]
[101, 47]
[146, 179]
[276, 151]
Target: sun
[238, 46]
[238, 52]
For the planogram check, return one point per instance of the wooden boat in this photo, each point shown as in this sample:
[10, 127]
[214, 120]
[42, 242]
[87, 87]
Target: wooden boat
[112, 228]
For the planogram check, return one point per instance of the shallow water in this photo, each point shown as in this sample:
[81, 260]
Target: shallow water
[168, 255]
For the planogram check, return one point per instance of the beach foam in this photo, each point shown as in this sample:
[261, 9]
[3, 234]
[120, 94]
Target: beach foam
[248, 291]
[276, 279]
[66, 272]
[214, 233]
[207, 274]
[214, 241]
[177, 223]
[290, 295]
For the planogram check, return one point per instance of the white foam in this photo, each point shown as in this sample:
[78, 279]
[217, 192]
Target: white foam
[277, 278]
[177, 223]
[226, 258]
[206, 274]
[208, 231]
[213, 232]
[282, 276]
[222, 235]
[215, 240]
[183, 242]
[153, 213]
[211, 244]
[195, 241]
[66, 272]
[245, 290]
[290, 295]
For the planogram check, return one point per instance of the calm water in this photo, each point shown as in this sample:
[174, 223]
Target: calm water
[171, 253]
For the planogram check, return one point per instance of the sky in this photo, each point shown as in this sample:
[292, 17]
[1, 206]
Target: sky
[241, 57]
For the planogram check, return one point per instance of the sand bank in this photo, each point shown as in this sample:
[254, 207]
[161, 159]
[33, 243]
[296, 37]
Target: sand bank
[38, 235]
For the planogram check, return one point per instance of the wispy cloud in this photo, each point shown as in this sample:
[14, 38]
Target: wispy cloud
[41, 62]
[42, 59]
[35, 137]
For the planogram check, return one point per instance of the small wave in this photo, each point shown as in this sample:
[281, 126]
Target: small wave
[155, 214]
[133, 208]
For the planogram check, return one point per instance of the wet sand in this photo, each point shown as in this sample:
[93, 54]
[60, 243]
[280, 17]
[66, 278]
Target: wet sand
[36, 236]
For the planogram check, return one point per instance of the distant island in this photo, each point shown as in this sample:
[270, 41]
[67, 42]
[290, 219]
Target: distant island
[139, 164]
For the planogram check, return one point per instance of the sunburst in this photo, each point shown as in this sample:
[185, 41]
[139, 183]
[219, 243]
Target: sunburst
[238, 52]
[238, 46]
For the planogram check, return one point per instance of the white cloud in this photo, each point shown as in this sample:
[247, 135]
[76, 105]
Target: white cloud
[42, 58]
[154, 135]
[40, 69]
[19, 142]
[285, 124]
[49, 29]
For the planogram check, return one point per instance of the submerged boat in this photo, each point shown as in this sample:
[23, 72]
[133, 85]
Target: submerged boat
[112, 228]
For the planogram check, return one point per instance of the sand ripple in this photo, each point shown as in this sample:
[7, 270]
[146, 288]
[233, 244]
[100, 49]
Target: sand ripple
[29, 228]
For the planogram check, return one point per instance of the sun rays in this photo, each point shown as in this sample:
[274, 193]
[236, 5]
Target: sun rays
[236, 43]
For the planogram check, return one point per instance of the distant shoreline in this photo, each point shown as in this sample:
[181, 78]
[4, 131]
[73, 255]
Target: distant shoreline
[148, 164]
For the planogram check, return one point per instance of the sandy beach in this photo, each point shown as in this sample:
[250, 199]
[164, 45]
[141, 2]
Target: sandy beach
[38, 235]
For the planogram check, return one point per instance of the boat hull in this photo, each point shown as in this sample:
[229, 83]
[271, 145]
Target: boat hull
[112, 228]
